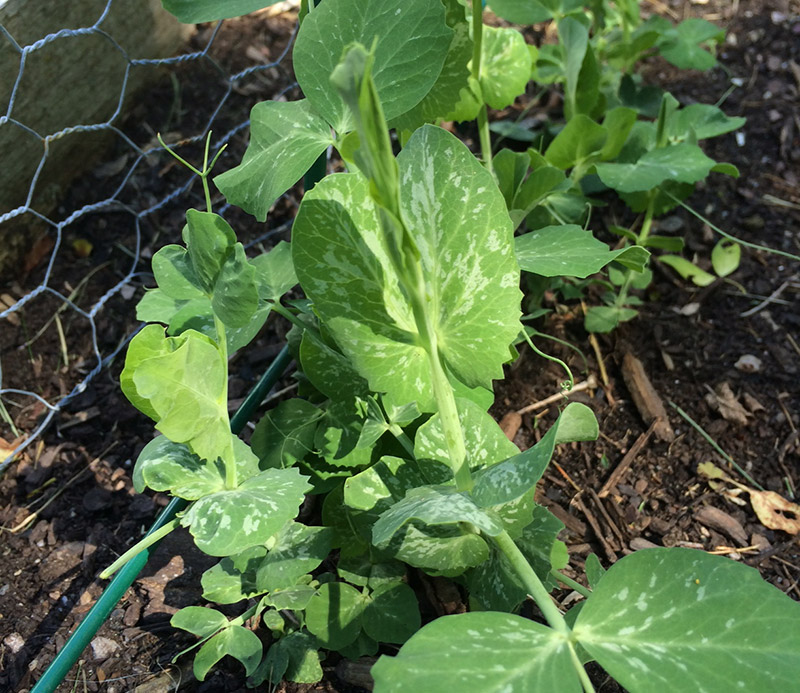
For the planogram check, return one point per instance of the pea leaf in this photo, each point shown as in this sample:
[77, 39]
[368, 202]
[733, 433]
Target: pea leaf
[234, 577]
[688, 270]
[725, 257]
[664, 617]
[704, 120]
[235, 297]
[486, 444]
[196, 314]
[274, 272]
[415, 28]
[511, 479]
[433, 505]
[571, 251]
[684, 163]
[285, 434]
[174, 273]
[199, 620]
[196, 11]
[457, 218]
[208, 239]
[179, 381]
[392, 614]
[293, 658]
[450, 86]
[297, 550]
[334, 614]
[479, 652]
[580, 138]
[505, 66]
[683, 46]
[228, 522]
[236, 641]
[523, 11]
[285, 139]
[438, 549]
[166, 466]
[602, 319]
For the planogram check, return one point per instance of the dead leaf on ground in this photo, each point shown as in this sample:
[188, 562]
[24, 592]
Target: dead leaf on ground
[772, 509]
[724, 401]
[775, 512]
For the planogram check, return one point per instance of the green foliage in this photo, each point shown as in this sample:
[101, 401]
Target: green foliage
[411, 273]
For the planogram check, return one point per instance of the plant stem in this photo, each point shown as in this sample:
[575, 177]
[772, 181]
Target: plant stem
[572, 584]
[137, 548]
[230, 462]
[542, 598]
[648, 217]
[483, 115]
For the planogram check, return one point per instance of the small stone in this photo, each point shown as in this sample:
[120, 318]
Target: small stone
[748, 364]
[14, 642]
[103, 648]
[671, 224]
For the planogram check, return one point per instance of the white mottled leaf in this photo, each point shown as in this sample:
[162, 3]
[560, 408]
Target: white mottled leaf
[228, 522]
[680, 619]
[478, 652]
[457, 217]
[285, 140]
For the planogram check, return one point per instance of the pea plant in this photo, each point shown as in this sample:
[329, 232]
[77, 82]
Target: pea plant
[411, 276]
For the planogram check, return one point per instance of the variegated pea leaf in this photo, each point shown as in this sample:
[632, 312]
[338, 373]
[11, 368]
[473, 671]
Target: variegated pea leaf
[228, 522]
[294, 598]
[179, 382]
[457, 219]
[166, 466]
[495, 584]
[505, 66]
[361, 568]
[199, 620]
[446, 550]
[297, 550]
[485, 442]
[664, 618]
[234, 577]
[514, 477]
[330, 371]
[338, 436]
[285, 140]
[376, 489]
[433, 505]
[480, 652]
[414, 28]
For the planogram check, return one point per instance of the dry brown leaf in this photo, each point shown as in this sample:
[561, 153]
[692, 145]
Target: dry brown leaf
[723, 400]
[775, 512]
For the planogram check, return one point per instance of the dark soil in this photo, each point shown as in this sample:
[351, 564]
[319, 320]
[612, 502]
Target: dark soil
[67, 505]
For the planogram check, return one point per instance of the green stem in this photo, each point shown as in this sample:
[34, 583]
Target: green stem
[230, 461]
[402, 438]
[647, 224]
[572, 584]
[483, 115]
[540, 595]
[485, 138]
[137, 548]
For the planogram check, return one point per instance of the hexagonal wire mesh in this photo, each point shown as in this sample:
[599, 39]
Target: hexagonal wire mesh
[119, 193]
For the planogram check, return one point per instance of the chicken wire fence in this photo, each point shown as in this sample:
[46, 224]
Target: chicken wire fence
[136, 160]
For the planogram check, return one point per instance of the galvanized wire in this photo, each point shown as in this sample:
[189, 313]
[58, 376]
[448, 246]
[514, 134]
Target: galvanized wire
[123, 199]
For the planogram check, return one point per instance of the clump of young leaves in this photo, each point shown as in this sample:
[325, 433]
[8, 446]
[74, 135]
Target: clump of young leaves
[410, 270]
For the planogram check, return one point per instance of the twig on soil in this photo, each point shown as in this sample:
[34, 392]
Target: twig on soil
[646, 398]
[627, 460]
[615, 530]
[713, 443]
[769, 299]
[588, 384]
[595, 525]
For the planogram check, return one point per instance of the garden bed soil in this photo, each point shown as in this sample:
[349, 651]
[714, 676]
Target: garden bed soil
[724, 356]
